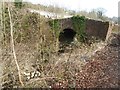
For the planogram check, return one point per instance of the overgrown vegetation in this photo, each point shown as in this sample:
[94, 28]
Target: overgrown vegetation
[6, 26]
[18, 3]
[79, 26]
[35, 47]
[55, 26]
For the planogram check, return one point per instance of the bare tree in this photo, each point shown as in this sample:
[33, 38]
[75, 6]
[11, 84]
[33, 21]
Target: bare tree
[100, 12]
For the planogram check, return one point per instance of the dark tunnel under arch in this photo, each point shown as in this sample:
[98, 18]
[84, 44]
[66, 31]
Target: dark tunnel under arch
[67, 35]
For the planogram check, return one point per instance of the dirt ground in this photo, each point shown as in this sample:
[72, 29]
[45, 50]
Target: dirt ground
[93, 68]
[103, 69]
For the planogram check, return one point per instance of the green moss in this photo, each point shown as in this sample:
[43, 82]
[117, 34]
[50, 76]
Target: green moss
[55, 25]
[79, 26]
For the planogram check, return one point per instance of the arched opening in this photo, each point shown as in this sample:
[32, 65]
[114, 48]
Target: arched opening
[65, 38]
[67, 35]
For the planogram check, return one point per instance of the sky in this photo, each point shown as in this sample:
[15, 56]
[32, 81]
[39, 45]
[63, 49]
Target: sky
[111, 6]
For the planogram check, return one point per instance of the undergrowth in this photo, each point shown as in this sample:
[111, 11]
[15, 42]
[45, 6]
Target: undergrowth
[35, 44]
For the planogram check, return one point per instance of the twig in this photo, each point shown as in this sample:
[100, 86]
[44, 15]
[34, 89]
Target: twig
[39, 79]
[13, 48]
[3, 76]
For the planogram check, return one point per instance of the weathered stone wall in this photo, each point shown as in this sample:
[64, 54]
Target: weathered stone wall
[96, 29]
[65, 23]
[110, 30]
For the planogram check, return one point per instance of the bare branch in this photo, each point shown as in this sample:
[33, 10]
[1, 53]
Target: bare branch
[13, 48]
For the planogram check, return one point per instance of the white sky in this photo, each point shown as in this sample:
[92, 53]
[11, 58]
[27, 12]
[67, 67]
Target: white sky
[110, 5]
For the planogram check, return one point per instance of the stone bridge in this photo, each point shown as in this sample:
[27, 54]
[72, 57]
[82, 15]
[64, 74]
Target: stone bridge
[93, 28]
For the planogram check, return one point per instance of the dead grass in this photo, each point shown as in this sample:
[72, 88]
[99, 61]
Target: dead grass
[60, 67]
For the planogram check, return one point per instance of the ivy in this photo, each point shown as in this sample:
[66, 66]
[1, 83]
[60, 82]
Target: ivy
[55, 25]
[79, 26]
[18, 3]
